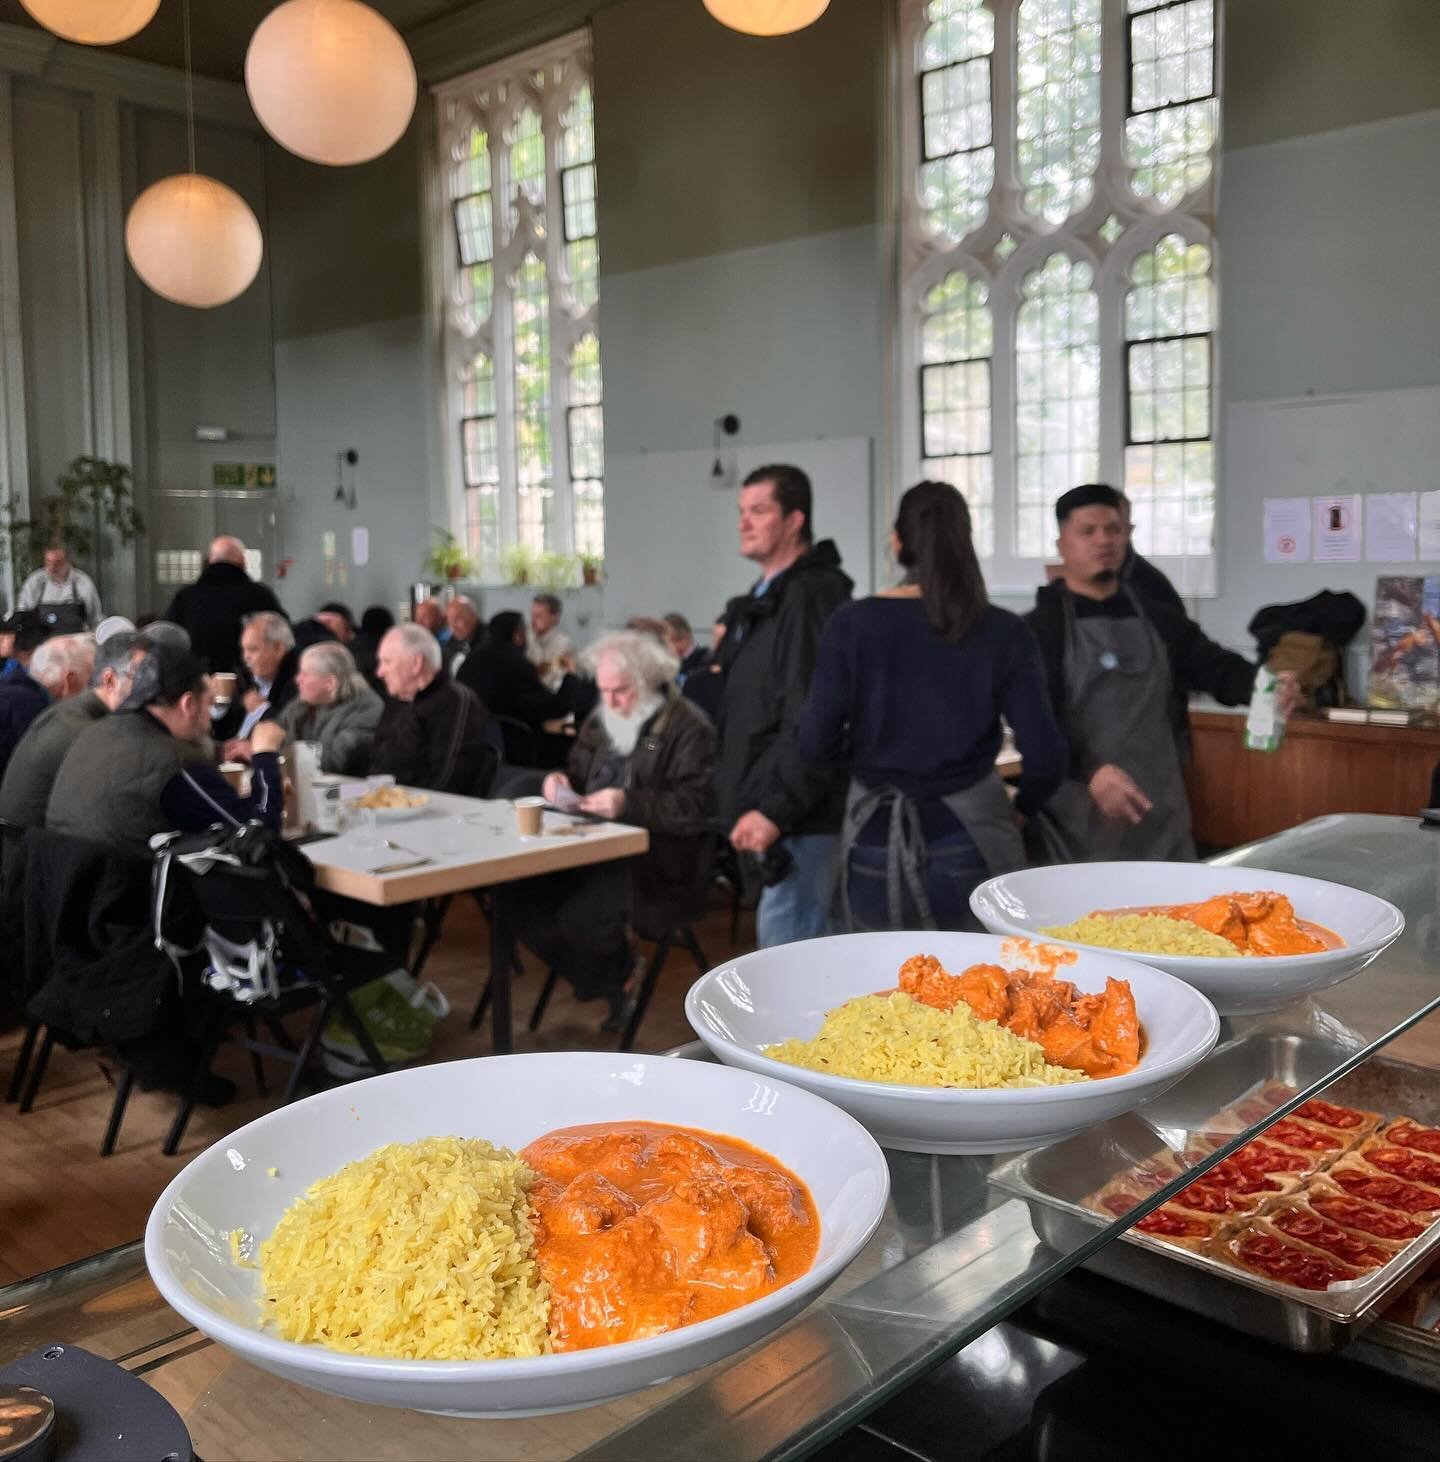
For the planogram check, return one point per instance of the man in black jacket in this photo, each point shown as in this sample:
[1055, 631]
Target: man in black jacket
[213, 608]
[769, 795]
[432, 731]
[509, 684]
[1120, 668]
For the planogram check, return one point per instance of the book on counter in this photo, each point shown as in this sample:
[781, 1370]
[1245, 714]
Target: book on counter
[1376, 715]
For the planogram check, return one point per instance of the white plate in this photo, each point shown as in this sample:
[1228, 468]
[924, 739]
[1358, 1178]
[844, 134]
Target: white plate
[774, 994]
[509, 1100]
[1036, 898]
[397, 814]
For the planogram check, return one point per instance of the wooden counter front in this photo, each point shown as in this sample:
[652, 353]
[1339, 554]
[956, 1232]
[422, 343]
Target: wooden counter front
[1322, 767]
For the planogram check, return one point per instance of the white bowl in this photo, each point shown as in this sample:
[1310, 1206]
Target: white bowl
[773, 994]
[509, 1100]
[1037, 898]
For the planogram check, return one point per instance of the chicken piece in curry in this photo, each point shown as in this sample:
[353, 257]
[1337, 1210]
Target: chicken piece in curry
[642, 1228]
[1256, 923]
[1098, 1034]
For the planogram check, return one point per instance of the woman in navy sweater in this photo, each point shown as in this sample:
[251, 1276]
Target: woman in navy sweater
[910, 686]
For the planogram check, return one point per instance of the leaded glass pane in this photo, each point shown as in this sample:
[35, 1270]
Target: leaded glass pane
[527, 159]
[1058, 104]
[1169, 466]
[958, 170]
[1057, 394]
[530, 313]
[1170, 133]
[586, 427]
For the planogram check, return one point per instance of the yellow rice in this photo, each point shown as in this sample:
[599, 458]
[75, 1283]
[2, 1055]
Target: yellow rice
[1145, 933]
[423, 1251]
[894, 1038]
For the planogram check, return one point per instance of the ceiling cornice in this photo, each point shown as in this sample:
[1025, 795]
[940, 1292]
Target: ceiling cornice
[43, 57]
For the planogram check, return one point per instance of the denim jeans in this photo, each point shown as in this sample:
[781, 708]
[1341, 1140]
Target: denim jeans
[953, 869]
[798, 907]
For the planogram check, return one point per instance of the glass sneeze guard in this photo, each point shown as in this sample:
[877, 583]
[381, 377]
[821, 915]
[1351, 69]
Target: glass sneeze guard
[953, 1255]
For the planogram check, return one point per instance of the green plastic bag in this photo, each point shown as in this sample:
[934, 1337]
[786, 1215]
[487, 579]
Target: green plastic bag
[400, 1016]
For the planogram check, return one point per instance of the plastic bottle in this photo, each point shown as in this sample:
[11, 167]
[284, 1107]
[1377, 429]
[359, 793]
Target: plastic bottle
[1265, 725]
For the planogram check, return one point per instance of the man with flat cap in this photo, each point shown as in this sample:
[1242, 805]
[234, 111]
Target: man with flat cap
[1120, 667]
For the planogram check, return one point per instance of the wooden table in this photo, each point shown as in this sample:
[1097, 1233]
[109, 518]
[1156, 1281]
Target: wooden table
[469, 844]
[1322, 767]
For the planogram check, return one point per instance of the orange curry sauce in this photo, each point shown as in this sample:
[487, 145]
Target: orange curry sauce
[1097, 1034]
[1255, 923]
[643, 1227]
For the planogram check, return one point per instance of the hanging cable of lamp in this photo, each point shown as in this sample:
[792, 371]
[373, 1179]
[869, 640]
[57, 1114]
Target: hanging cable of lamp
[93, 22]
[190, 238]
[767, 17]
[330, 80]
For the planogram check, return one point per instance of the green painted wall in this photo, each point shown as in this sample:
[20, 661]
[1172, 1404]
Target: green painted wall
[711, 141]
[1294, 67]
[345, 246]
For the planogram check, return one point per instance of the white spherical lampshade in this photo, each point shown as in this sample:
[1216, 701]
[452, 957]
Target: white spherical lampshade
[330, 80]
[194, 241]
[767, 17]
[93, 22]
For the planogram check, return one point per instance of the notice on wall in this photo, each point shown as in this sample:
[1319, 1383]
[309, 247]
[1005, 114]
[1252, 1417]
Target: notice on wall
[1337, 531]
[1390, 527]
[360, 546]
[1287, 530]
[1428, 526]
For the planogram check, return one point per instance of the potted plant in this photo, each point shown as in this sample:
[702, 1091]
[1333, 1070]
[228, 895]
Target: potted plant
[520, 563]
[96, 499]
[592, 568]
[556, 571]
[447, 560]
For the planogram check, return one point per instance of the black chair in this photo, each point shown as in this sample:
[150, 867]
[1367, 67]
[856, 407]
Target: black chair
[521, 748]
[684, 936]
[73, 917]
[244, 897]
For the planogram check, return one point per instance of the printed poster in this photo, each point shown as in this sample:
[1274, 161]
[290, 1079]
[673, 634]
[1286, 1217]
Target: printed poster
[1405, 643]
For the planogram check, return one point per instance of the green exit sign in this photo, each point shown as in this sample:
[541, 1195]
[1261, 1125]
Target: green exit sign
[242, 474]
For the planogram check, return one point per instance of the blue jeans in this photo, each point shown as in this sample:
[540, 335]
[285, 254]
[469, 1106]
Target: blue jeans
[798, 907]
[953, 869]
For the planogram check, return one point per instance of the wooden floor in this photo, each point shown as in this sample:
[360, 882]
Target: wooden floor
[60, 1201]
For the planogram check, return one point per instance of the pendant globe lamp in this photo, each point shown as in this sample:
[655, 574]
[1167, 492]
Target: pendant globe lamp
[330, 80]
[193, 240]
[767, 17]
[93, 22]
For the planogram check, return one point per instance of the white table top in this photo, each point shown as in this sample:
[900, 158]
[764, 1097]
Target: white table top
[471, 843]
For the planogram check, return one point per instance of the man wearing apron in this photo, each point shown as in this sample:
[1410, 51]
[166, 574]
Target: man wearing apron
[63, 596]
[1119, 669]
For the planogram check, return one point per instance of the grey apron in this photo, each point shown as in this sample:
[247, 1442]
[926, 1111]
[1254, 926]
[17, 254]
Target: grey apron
[1117, 690]
[983, 810]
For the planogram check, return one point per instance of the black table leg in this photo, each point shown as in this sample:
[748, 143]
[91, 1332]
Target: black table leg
[502, 960]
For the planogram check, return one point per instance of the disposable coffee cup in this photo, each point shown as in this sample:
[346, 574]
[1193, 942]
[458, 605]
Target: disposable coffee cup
[224, 685]
[529, 811]
[235, 773]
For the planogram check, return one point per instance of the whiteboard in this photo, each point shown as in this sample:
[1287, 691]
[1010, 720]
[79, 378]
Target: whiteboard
[670, 531]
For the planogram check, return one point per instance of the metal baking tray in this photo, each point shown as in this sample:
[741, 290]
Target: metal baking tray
[1054, 1180]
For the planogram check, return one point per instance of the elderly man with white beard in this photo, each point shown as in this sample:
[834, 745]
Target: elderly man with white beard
[645, 756]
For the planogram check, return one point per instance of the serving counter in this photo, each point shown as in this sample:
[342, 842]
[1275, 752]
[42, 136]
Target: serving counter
[955, 1254]
[1237, 795]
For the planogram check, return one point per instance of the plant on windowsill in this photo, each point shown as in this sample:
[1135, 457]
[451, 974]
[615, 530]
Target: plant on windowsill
[519, 564]
[447, 560]
[592, 568]
[557, 571]
[95, 501]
